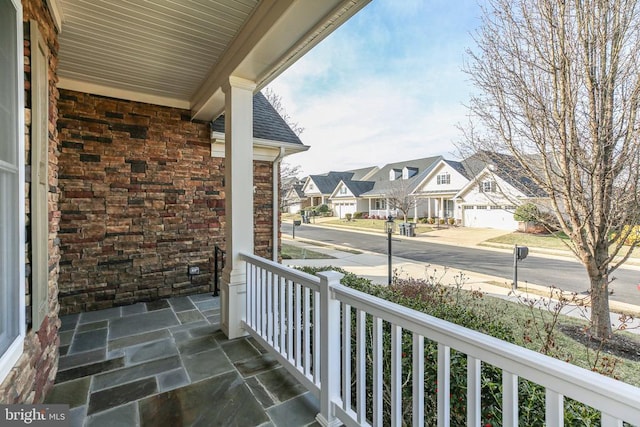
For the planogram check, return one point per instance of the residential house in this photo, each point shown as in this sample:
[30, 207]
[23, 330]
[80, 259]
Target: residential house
[490, 198]
[319, 188]
[293, 199]
[112, 174]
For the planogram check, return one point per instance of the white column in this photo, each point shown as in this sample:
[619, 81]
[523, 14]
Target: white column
[238, 201]
[415, 209]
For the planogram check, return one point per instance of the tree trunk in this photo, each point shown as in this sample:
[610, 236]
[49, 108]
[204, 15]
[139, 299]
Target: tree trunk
[600, 315]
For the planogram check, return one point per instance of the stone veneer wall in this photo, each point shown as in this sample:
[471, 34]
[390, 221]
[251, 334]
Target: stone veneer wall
[141, 200]
[33, 374]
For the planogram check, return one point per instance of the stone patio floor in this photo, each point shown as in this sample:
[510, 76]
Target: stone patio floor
[166, 363]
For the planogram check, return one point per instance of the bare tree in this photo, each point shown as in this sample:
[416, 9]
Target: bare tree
[399, 197]
[276, 102]
[559, 89]
[289, 179]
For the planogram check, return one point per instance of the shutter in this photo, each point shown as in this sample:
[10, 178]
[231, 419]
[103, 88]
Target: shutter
[39, 178]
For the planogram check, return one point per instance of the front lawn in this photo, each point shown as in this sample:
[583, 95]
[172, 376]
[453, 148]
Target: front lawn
[548, 241]
[374, 224]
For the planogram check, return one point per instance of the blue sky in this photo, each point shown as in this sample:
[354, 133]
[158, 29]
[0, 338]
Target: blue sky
[386, 86]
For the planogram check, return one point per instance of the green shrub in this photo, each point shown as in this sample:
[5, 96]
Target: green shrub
[527, 212]
[357, 215]
[347, 216]
[453, 304]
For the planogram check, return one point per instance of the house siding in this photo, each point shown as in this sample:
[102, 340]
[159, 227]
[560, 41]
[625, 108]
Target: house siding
[142, 199]
[34, 373]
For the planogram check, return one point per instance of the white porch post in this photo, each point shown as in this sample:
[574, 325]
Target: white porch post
[415, 209]
[429, 202]
[239, 201]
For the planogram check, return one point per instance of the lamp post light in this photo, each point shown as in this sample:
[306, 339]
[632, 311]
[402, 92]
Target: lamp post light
[390, 226]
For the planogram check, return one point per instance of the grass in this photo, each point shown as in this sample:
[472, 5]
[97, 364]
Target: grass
[557, 241]
[295, 252]
[373, 224]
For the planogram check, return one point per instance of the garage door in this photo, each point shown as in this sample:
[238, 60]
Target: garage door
[341, 209]
[482, 216]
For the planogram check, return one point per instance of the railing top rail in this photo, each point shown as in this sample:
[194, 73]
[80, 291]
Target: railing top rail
[306, 279]
[596, 390]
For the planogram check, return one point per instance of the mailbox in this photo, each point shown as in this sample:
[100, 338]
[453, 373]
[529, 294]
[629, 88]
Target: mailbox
[296, 222]
[522, 252]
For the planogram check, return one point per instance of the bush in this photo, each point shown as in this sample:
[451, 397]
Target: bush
[527, 212]
[357, 215]
[347, 216]
[451, 221]
[453, 304]
[323, 209]
[432, 220]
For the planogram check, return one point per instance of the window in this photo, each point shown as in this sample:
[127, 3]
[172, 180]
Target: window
[380, 204]
[343, 190]
[443, 178]
[11, 191]
[487, 186]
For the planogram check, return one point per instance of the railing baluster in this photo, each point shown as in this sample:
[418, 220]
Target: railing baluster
[474, 392]
[361, 360]
[396, 375]
[298, 309]
[610, 421]
[444, 385]
[377, 371]
[290, 322]
[316, 349]
[269, 306]
[282, 328]
[509, 399]
[418, 380]
[306, 330]
[346, 357]
[554, 408]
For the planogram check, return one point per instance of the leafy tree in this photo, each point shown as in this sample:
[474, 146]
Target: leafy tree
[559, 90]
[527, 212]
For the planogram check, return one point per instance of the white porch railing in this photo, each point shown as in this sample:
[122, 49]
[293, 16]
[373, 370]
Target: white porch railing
[306, 322]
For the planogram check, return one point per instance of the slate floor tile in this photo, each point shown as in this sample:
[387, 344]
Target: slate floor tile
[87, 370]
[239, 349]
[296, 412]
[209, 304]
[181, 304]
[106, 314]
[141, 323]
[116, 396]
[150, 351]
[65, 337]
[73, 393]
[206, 364]
[157, 305]
[189, 316]
[197, 345]
[260, 392]
[172, 379]
[138, 339]
[128, 310]
[124, 415]
[256, 365]
[77, 416]
[128, 374]
[192, 405]
[69, 322]
[91, 340]
[281, 384]
[101, 324]
[79, 359]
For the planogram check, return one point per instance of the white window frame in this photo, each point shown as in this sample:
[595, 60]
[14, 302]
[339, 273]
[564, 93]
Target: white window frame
[443, 178]
[488, 186]
[15, 258]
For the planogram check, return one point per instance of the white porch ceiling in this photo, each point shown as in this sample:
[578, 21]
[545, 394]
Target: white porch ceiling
[180, 52]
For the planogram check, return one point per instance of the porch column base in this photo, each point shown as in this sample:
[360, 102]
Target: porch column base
[233, 297]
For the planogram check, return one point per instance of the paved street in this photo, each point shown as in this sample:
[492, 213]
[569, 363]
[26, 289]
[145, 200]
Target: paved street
[543, 270]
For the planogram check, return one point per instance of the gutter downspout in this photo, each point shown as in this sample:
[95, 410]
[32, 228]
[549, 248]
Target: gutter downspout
[276, 202]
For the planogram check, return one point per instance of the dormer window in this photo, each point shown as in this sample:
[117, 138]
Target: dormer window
[394, 174]
[488, 186]
[408, 172]
[443, 178]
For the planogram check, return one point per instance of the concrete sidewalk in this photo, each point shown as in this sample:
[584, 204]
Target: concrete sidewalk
[374, 267]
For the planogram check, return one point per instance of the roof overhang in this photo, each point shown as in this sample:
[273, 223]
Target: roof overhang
[263, 149]
[181, 54]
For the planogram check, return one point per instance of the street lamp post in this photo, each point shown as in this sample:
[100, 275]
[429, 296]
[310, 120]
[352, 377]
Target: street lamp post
[390, 225]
